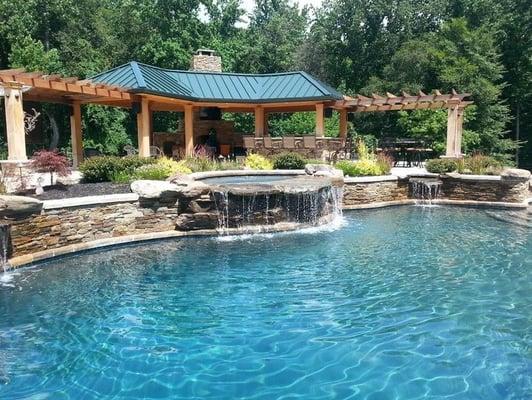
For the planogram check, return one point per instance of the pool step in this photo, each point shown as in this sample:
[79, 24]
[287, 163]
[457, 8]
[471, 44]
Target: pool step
[520, 218]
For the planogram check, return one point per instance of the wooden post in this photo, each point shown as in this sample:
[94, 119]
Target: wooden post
[16, 136]
[343, 124]
[454, 132]
[259, 121]
[143, 128]
[459, 131]
[189, 130]
[320, 121]
[75, 134]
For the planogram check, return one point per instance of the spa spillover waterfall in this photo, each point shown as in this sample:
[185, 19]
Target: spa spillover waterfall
[5, 245]
[425, 190]
[293, 204]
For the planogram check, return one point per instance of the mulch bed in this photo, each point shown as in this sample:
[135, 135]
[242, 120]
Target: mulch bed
[78, 190]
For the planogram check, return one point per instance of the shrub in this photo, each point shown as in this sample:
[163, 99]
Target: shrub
[479, 164]
[154, 172]
[289, 161]
[50, 162]
[256, 161]
[361, 168]
[121, 177]
[441, 165]
[200, 163]
[385, 163]
[173, 166]
[104, 168]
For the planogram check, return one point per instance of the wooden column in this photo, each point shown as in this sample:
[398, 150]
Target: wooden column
[76, 134]
[189, 130]
[16, 136]
[459, 132]
[455, 117]
[143, 128]
[259, 121]
[343, 124]
[320, 121]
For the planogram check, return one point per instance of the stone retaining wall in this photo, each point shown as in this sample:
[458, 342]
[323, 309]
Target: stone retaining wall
[66, 226]
[501, 189]
[511, 187]
[359, 191]
[70, 223]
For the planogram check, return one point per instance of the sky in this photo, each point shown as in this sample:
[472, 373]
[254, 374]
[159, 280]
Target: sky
[249, 4]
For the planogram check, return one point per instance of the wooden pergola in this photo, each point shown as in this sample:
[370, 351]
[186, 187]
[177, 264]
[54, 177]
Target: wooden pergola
[39, 87]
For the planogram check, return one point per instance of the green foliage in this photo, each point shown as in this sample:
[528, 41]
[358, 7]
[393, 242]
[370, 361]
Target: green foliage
[479, 164]
[256, 161]
[156, 172]
[171, 166]
[105, 168]
[366, 167]
[481, 47]
[476, 164]
[441, 165]
[201, 164]
[384, 162]
[289, 161]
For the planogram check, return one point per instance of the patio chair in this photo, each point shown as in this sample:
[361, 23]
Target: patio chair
[289, 142]
[130, 150]
[91, 152]
[156, 152]
[249, 142]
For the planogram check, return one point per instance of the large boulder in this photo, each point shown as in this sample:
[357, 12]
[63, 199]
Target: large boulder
[19, 206]
[155, 193]
[515, 174]
[180, 179]
[198, 221]
[154, 189]
[193, 190]
[323, 170]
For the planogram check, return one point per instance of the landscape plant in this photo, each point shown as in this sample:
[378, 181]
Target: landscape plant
[51, 162]
[105, 168]
[289, 161]
[155, 172]
[441, 165]
[256, 161]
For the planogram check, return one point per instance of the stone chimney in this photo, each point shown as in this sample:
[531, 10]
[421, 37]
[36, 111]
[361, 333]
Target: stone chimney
[206, 60]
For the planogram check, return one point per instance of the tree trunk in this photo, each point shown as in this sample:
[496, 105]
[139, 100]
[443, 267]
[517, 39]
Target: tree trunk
[54, 140]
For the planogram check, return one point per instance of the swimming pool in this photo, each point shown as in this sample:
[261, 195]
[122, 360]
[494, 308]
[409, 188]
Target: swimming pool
[396, 303]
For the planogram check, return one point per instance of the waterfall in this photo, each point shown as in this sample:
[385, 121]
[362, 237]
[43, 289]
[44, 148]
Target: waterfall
[5, 245]
[252, 207]
[425, 190]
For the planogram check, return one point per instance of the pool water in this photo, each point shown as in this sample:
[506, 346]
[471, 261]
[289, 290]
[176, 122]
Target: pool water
[397, 303]
[243, 179]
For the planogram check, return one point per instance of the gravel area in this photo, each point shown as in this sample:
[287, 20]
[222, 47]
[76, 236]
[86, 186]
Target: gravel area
[79, 190]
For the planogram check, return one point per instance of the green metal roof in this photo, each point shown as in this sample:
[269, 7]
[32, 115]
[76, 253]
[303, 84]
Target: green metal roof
[218, 86]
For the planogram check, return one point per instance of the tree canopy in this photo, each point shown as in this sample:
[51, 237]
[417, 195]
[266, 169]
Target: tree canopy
[479, 46]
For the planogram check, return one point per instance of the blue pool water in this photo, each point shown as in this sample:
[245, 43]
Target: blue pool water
[398, 303]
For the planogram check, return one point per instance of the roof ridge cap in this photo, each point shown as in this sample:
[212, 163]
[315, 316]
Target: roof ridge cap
[138, 74]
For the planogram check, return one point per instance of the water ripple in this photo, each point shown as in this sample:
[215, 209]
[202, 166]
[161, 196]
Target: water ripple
[399, 303]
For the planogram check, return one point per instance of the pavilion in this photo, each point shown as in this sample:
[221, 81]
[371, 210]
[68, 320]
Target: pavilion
[202, 94]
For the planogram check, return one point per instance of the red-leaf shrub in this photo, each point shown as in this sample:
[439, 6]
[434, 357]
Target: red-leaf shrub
[50, 161]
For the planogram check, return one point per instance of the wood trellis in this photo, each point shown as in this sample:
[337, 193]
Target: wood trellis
[406, 101]
[57, 89]
[41, 87]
